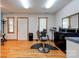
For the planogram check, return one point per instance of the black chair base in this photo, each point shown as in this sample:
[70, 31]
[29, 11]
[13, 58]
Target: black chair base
[36, 46]
[43, 48]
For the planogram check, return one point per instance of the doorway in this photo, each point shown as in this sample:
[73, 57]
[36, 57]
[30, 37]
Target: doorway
[22, 28]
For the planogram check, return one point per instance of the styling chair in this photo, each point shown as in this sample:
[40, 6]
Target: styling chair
[43, 38]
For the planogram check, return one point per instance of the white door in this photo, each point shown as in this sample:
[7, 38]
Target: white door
[22, 28]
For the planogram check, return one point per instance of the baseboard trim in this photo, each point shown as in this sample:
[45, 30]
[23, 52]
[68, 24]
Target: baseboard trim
[39, 39]
[12, 39]
[27, 40]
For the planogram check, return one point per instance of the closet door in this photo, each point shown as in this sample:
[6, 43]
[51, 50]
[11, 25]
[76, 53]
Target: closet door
[22, 28]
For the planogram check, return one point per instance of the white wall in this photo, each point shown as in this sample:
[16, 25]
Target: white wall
[71, 8]
[0, 19]
[33, 23]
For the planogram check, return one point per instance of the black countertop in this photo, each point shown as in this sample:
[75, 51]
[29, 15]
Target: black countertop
[73, 39]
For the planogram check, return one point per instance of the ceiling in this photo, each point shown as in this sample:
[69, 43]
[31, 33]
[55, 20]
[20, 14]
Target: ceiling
[37, 6]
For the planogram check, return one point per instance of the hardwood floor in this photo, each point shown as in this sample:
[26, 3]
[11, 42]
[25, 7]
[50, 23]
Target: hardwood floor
[21, 49]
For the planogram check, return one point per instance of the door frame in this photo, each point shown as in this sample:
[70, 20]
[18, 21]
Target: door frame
[27, 27]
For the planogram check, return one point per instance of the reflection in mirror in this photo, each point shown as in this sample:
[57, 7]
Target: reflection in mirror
[65, 23]
[71, 21]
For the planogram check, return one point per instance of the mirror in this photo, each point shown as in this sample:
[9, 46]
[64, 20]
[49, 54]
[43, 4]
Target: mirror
[42, 23]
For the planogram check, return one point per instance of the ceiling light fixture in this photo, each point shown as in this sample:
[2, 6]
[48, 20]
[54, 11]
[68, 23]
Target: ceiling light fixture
[49, 3]
[25, 3]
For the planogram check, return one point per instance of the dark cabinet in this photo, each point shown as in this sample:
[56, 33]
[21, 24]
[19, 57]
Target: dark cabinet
[60, 41]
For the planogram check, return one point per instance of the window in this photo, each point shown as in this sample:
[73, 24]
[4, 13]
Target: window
[74, 21]
[65, 23]
[10, 24]
[42, 23]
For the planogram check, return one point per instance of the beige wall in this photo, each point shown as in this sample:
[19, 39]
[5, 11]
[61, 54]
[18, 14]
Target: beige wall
[33, 23]
[11, 35]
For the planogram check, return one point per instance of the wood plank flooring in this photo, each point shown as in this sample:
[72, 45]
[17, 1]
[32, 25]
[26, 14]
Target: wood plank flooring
[22, 49]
